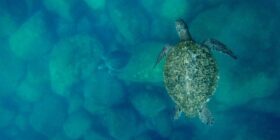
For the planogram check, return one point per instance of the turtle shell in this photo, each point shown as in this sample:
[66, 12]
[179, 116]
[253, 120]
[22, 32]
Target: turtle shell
[190, 76]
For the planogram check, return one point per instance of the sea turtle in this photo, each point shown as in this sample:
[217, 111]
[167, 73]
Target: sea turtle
[190, 73]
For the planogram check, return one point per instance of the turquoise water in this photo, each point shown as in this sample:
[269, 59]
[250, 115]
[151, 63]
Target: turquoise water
[82, 69]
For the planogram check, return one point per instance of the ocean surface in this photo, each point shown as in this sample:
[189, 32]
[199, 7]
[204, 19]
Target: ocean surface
[83, 69]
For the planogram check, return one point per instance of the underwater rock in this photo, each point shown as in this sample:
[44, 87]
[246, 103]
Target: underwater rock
[148, 104]
[149, 6]
[264, 128]
[17, 9]
[21, 122]
[32, 39]
[114, 61]
[66, 29]
[179, 135]
[143, 136]
[278, 63]
[184, 130]
[117, 59]
[160, 29]
[250, 26]
[267, 105]
[169, 10]
[231, 93]
[245, 133]
[72, 60]
[12, 70]
[7, 116]
[31, 5]
[129, 21]
[96, 4]
[140, 66]
[277, 5]
[60, 7]
[59, 136]
[76, 125]
[75, 102]
[122, 123]
[84, 25]
[29, 92]
[174, 9]
[209, 23]
[35, 84]
[238, 26]
[48, 116]
[8, 24]
[102, 92]
[92, 135]
[162, 124]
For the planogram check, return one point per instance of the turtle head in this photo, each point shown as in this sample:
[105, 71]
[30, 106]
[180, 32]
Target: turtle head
[182, 30]
[180, 24]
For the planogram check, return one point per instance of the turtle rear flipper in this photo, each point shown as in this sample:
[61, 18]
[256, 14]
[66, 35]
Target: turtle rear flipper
[214, 44]
[206, 116]
[178, 113]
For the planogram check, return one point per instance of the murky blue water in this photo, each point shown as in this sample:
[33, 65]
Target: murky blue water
[83, 69]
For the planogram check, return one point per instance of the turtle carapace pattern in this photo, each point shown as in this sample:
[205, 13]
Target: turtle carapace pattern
[191, 73]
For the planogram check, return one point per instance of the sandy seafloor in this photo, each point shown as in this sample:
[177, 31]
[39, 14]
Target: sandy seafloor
[82, 69]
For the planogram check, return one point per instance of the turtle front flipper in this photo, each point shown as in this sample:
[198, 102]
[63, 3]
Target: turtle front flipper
[162, 54]
[214, 44]
[182, 30]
